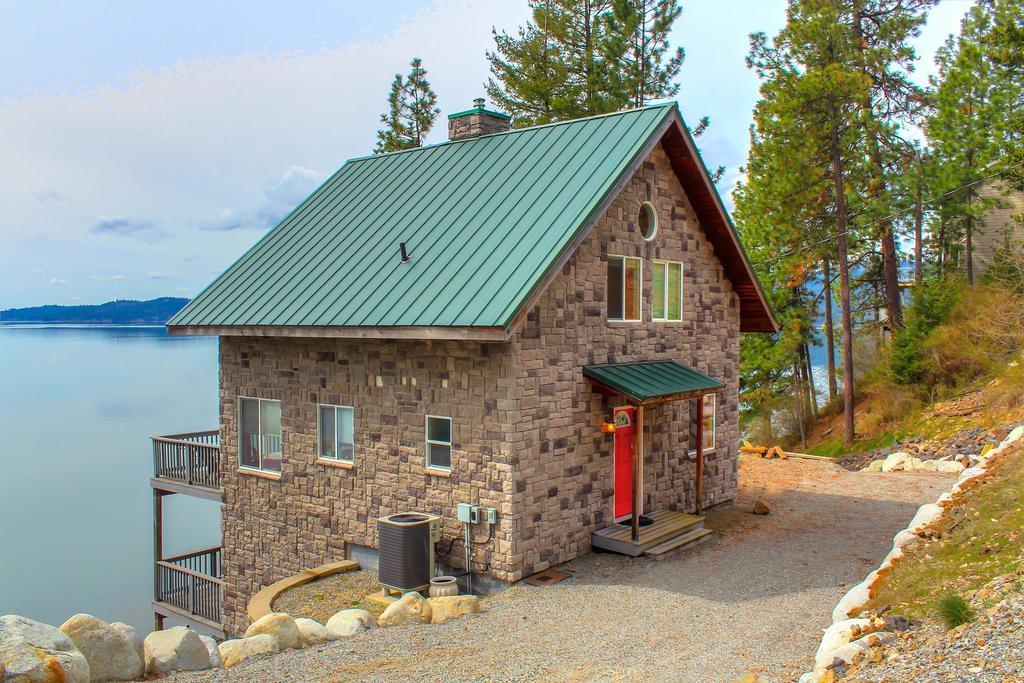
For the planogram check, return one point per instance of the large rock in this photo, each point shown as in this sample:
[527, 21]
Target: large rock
[213, 650]
[836, 636]
[279, 625]
[925, 516]
[949, 467]
[312, 631]
[855, 598]
[874, 466]
[112, 650]
[411, 608]
[234, 652]
[894, 462]
[452, 607]
[760, 507]
[33, 652]
[349, 622]
[174, 649]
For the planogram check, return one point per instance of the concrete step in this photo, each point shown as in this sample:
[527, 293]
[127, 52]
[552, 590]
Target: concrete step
[683, 542]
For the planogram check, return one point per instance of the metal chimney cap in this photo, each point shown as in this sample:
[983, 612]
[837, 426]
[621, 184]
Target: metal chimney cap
[479, 103]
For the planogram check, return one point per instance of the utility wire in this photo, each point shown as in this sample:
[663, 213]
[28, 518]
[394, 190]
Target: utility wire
[889, 217]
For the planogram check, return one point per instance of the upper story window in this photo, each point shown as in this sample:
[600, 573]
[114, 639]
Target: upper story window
[439, 442]
[336, 432]
[624, 288]
[259, 434]
[710, 405]
[667, 297]
[648, 221]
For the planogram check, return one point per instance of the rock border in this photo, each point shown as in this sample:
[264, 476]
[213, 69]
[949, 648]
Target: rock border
[845, 629]
[260, 604]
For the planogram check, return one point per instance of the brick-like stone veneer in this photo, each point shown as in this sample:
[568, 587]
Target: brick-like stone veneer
[475, 124]
[526, 423]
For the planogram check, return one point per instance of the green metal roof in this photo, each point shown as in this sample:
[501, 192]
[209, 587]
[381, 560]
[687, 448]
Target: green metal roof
[480, 110]
[483, 219]
[647, 380]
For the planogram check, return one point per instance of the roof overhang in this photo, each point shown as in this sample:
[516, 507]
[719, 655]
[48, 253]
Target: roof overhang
[646, 383]
[423, 332]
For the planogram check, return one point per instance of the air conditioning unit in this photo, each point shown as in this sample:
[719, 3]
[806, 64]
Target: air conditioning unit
[406, 550]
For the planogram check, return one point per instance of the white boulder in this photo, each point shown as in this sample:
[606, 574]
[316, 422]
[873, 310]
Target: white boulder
[837, 635]
[904, 538]
[971, 473]
[349, 622]
[874, 466]
[312, 631]
[213, 650]
[234, 652]
[410, 608]
[174, 649]
[854, 599]
[279, 625]
[928, 466]
[112, 650]
[34, 652]
[926, 515]
[949, 467]
[894, 462]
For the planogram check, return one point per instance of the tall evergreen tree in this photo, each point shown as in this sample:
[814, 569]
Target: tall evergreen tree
[646, 68]
[412, 110]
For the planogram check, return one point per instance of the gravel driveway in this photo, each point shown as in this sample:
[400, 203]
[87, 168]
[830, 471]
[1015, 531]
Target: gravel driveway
[753, 600]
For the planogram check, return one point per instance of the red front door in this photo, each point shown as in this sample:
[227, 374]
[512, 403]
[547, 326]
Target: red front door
[624, 461]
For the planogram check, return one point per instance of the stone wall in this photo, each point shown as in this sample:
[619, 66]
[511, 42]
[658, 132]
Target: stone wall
[563, 470]
[526, 423]
[276, 527]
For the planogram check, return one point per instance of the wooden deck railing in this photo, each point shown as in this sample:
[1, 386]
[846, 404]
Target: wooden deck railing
[192, 459]
[192, 582]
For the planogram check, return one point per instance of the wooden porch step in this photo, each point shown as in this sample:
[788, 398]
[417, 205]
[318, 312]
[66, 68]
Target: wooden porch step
[678, 544]
[666, 526]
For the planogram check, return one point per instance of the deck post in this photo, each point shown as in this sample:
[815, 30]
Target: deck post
[699, 483]
[158, 551]
[638, 481]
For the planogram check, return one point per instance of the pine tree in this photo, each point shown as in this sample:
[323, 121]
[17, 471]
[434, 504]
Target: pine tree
[412, 110]
[646, 67]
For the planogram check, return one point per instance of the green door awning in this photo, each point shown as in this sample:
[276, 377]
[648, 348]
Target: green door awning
[648, 381]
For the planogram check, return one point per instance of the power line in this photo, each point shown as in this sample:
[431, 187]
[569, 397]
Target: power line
[889, 217]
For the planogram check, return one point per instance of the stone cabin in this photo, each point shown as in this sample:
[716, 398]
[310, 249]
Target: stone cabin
[544, 322]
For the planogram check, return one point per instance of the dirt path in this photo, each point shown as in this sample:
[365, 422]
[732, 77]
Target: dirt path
[754, 600]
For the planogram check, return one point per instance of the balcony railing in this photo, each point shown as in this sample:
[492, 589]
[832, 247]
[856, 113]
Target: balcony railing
[192, 459]
[192, 583]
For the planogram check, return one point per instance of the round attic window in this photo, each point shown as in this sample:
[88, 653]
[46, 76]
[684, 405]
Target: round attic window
[648, 221]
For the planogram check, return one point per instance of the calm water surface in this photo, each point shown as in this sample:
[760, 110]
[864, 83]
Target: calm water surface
[77, 407]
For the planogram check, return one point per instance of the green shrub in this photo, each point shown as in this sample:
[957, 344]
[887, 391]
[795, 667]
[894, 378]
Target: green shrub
[930, 307]
[954, 610]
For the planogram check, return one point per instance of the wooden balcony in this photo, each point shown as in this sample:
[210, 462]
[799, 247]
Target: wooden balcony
[189, 587]
[188, 463]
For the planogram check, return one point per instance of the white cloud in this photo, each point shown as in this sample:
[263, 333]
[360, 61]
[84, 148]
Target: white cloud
[134, 228]
[109, 278]
[157, 275]
[58, 281]
[38, 271]
[277, 201]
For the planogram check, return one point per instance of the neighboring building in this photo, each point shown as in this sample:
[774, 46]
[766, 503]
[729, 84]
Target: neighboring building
[1000, 225]
[463, 323]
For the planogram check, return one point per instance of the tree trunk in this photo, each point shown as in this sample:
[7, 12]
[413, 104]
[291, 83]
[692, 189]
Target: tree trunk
[849, 433]
[969, 248]
[918, 224]
[812, 393]
[830, 333]
[801, 395]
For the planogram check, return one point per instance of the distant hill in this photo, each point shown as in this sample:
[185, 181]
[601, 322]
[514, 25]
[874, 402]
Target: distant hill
[123, 312]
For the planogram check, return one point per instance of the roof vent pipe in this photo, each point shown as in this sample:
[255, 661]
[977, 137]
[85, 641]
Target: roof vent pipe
[405, 254]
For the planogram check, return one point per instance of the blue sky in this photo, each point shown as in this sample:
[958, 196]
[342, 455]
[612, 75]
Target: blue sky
[146, 146]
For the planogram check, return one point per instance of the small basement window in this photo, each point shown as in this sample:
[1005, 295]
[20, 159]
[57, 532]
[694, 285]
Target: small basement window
[648, 221]
[336, 432]
[259, 438]
[624, 287]
[667, 297]
[439, 442]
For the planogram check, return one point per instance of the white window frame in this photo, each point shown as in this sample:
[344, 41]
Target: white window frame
[428, 442]
[319, 426]
[682, 271]
[653, 216]
[259, 432]
[714, 425]
[640, 295]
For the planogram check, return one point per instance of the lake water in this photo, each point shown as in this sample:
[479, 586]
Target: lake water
[77, 407]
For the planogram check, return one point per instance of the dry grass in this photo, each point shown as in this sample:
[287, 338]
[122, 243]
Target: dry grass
[323, 598]
[980, 538]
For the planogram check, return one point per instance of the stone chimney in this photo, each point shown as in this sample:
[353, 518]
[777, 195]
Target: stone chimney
[477, 121]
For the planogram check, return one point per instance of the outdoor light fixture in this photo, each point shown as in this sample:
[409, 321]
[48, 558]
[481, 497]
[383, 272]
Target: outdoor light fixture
[608, 427]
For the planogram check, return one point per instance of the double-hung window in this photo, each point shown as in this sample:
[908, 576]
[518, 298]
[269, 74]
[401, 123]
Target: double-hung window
[259, 434]
[439, 442]
[624, 288]
[336, 433]
[709, 424]
[667, 295]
